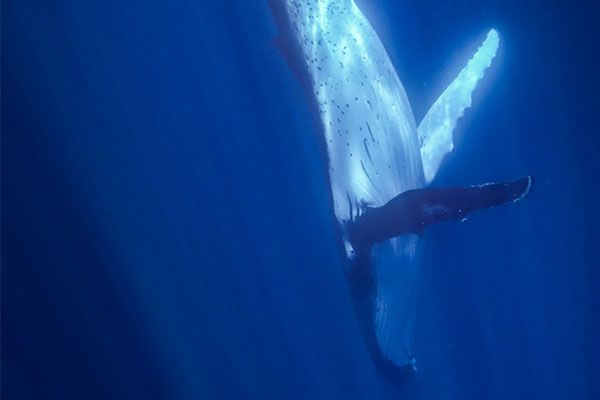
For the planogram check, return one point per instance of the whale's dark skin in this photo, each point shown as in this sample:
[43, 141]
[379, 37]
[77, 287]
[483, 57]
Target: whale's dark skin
[414, 210]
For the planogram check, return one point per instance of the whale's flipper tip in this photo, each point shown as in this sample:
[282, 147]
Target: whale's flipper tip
[522, 187]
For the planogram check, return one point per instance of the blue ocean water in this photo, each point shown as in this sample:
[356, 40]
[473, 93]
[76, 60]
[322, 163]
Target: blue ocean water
[166, 227]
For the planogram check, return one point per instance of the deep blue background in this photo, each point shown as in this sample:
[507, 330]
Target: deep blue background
[166, 232]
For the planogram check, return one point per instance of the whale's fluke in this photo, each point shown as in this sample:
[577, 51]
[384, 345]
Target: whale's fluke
[435, 130]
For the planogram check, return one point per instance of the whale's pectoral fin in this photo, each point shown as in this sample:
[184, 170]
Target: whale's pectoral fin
[413, 211]
[433, 205]
[435, 130]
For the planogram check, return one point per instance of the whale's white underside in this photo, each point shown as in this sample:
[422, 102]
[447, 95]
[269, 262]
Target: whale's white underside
[375, 149]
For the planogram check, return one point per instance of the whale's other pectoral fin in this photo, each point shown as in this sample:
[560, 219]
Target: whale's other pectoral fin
[435, 130]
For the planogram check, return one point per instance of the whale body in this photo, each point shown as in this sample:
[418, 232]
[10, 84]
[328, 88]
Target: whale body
[375, 151]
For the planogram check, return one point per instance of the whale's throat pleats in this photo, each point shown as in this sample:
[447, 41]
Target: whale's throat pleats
[369, 128]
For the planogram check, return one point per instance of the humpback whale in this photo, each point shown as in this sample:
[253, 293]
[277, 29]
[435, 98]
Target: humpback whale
[380, 162]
